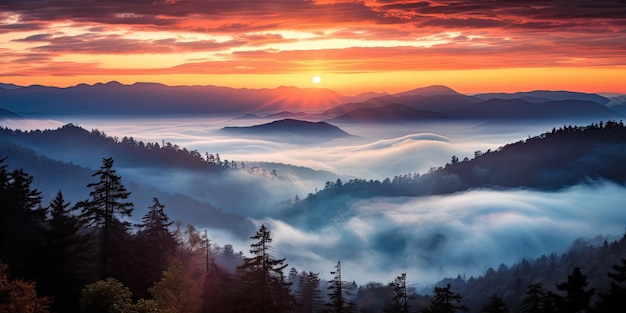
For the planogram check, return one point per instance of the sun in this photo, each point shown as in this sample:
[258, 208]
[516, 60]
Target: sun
[316, 79]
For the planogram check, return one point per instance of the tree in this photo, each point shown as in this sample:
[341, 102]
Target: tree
[18, 296]
[106, 296]
[65, 249]
[495, 305]
[576, 298]
[176, 292]
[534, 299]
[262, 280]
[445, 301]
[615, 299]
[107, 202]
[308, 293]
[21, 221]
[338, 302]
[157, 243]
[399, 302]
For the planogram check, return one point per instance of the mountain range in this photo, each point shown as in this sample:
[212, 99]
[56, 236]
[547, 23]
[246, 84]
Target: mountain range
[427, 103]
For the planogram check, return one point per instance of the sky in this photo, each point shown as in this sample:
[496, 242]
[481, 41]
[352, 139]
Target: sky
[353, 46]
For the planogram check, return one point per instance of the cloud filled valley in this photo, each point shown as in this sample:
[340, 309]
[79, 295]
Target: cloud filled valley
[428, 237]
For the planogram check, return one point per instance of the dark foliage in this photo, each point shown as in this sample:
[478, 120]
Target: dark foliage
[262, 285]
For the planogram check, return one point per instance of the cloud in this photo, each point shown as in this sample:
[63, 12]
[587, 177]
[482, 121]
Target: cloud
[463, 233]
[341, 36]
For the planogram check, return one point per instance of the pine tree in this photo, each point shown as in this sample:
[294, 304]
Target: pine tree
[615, 299]
[157, 243]
[65, 249]
[261, 278]
[535, 299]
[495, 305]
[399, 302]
[21, 221]
[445, 301]
[102, 211]
[338, 302]
[576, 298]
[308, 293]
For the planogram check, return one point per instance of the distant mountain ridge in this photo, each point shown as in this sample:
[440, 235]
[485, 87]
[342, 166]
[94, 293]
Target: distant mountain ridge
[153, 99]
[114, 98]
[451, 105]
[289, 129]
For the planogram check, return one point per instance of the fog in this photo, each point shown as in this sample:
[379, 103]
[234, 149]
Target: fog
[377, 151]
[376, 240]
[464, 233]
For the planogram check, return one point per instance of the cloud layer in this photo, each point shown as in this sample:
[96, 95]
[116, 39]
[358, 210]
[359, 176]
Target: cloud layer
[465, 233]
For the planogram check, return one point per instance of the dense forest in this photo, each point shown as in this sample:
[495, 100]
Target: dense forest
[88, 257]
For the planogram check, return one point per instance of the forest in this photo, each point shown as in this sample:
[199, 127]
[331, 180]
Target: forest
[88, 257]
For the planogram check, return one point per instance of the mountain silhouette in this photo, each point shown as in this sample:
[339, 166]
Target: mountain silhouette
[146, 99]
[5, 114]
[538, 96]
[388, 113]
[289, 129]
[521, 109]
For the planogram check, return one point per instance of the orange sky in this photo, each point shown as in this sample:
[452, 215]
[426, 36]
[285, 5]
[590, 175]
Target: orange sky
[354, 46]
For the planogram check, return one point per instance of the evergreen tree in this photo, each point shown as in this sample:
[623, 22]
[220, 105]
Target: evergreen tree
[308, 293]
[21, 221]
[399, 302]
[495, 305]
[338, 302]
[262, 282]
[157, 244]
[615, 299]
[576, 298]
[65, 249]
[107, 202]
[445, 301]
[534, 299]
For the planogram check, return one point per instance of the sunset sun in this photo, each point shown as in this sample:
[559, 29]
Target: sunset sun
[316, 80]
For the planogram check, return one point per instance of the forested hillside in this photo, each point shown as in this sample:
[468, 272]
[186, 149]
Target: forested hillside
[563, 157]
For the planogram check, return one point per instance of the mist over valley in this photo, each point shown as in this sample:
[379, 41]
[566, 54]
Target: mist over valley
[457, 189]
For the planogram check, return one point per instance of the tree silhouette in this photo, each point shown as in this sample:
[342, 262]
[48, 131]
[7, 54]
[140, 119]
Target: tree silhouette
[101, 211]
[445, 301]
[21, 221]
[66, 251]
[576, 298]
[399, 302]
[157, 243]
[338, 302]
[615, 299]
[534, 299]
[308, 293]
[495, 305]
[262, 282]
